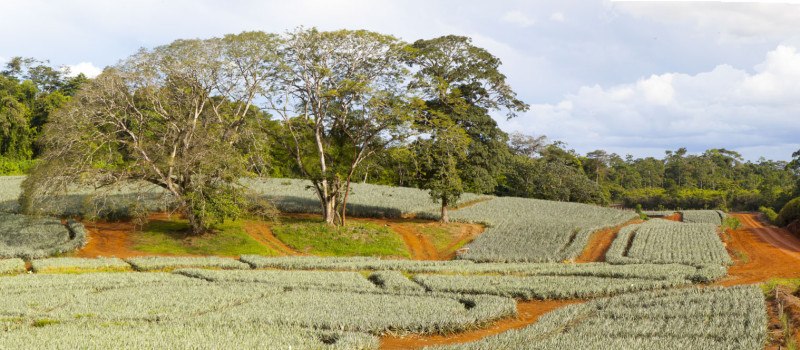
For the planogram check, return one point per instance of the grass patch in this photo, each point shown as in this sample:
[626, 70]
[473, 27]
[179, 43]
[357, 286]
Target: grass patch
[311, 236]
[168, 236]
[768, 286]
[441, 235]
[742, 255]
[44, 322]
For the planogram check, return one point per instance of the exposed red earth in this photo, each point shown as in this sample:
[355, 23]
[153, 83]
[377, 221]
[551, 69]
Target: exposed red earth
[771, 252]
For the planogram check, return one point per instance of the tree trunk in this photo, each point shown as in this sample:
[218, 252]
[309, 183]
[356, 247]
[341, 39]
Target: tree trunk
[196, 226]
[329, 210]
[444, 219]
[344, 202]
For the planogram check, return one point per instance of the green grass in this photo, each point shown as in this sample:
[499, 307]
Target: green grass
[441, 235]
[311, 236]
[168, 236]
[768, 286]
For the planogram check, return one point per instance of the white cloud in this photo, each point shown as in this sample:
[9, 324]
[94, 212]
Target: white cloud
[657, 89]
[557, 16]
[725, 107]
[87, 68]
[517, 17]
[733, 21]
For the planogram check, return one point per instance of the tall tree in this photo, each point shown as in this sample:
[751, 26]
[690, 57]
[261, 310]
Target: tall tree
[179, 116]
[438, 157]
[341, 98]
[464, 83]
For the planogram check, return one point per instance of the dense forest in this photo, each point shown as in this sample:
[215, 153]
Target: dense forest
[495, 162]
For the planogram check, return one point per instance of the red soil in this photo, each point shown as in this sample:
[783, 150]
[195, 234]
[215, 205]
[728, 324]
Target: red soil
[771, 252]
[600, 242]
[111, 239]
[528, 313]
[674, 217]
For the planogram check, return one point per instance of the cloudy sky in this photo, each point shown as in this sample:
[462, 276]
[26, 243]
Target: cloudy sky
[626, 76]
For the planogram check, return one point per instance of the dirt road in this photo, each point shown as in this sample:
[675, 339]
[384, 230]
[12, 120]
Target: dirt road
[770, 252]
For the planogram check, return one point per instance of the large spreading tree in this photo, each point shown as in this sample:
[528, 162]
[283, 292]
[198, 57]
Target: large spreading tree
[341, 98]
[179, 116]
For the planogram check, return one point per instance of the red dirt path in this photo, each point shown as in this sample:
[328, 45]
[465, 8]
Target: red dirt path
[772, 252]
[600, 242]
[107, 239]
[528, 312]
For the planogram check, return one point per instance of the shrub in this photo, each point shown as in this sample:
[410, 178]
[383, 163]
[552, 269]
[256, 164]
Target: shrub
[790, 212]
[770, 214]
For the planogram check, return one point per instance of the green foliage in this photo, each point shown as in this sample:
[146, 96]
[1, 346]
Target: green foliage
[15, 167]
[462, 83]
[770, 214]
[731, 222]
[438, 161]
[640, 213]
[310, 236]
[542, 179]
[789, 212]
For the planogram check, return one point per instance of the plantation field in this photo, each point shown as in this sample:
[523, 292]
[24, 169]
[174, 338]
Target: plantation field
[664, 242]
[696, 318]
[531, 230]
[214, 308]
[640, 297]
[36, 237]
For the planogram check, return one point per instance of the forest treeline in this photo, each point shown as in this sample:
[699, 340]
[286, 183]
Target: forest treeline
[492, 161]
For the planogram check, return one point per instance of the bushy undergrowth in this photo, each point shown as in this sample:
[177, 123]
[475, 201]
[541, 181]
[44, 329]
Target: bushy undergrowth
[707, 318]
[790, 212]
[770, 214]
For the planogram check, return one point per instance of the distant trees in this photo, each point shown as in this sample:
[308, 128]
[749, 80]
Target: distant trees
[30, 90]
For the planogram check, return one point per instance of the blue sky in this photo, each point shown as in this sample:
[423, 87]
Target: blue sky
[627, 77]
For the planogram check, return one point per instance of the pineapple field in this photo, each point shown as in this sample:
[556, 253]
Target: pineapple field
[514, 283]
